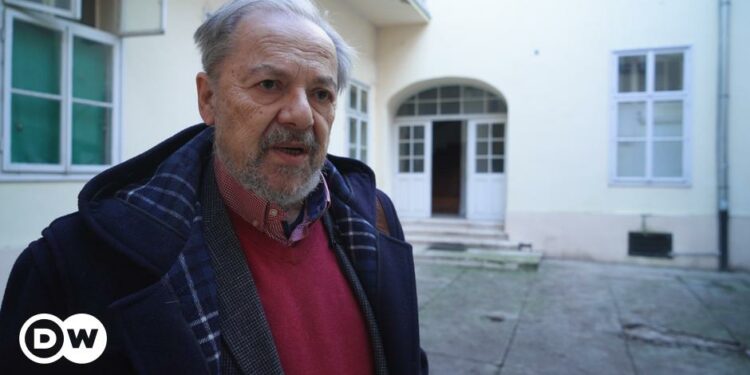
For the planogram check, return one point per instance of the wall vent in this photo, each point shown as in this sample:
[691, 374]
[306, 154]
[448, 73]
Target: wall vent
[650, 244]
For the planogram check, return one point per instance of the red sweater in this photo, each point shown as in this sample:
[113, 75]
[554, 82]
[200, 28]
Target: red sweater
[315, 319]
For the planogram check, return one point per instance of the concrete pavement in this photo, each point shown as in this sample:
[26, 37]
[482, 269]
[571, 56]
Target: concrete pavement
[583, 318]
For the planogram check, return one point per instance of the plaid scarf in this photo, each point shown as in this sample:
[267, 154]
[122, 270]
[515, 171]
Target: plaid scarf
[171, 196]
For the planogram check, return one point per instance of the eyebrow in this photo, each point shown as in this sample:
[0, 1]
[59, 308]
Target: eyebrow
[327, 81]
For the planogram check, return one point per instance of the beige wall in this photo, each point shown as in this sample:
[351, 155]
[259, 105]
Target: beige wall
[361, 35]
[739, 135]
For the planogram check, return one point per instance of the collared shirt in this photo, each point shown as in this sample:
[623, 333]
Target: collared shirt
[268, 217]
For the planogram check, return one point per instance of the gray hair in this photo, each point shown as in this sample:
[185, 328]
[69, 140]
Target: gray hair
[214, 36]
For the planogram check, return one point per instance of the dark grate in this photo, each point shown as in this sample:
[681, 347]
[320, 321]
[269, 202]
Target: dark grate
[650, 244]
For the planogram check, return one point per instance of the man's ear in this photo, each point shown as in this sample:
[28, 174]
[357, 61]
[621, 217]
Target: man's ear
[205, 98]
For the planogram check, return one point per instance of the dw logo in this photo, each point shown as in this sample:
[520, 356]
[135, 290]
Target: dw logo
[44, 338]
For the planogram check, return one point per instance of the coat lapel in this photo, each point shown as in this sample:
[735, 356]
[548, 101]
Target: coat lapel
[244, 327]
[156, 338]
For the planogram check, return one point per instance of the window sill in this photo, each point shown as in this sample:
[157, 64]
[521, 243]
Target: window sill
[45, 177]
[677, 184]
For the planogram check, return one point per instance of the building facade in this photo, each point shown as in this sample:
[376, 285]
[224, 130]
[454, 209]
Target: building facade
[574, 125]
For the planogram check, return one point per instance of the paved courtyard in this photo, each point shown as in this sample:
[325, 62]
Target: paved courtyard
[583, 318]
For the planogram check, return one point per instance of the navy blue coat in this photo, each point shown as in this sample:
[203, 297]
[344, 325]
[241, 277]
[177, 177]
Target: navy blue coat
[107, 259]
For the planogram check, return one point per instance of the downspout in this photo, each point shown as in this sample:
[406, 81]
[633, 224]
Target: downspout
[722, 135]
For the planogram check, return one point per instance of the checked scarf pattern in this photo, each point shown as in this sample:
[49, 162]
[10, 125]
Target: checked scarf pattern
[171, 196]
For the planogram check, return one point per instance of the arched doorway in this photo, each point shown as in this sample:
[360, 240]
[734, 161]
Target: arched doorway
[450, 159]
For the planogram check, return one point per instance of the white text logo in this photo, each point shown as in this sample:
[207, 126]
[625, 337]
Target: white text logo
[44, 338]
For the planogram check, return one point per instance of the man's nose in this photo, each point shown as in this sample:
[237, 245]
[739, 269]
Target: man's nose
[297, 111]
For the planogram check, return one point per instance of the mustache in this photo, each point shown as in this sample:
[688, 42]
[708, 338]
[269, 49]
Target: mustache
[281, 134]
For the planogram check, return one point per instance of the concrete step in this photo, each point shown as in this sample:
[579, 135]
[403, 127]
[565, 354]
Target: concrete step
[457, 231]
[479, 257]
[463, 239]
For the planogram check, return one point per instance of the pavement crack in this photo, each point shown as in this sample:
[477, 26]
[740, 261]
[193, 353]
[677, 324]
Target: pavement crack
[619, 318]
[671, 338]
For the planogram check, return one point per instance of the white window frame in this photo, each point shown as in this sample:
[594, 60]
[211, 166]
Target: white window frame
[74, 11]
[359, 116]
[649, 96]
[65, 170]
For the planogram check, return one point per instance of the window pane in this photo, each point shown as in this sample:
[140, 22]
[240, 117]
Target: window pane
[631, 119]
[363, 101]
[668, 159]
[498, 148]
[482, 165]
[406, 109]
[498, 165]
[62, 4]
[419, 132]
[352, 130]
[481, 148]
[668, 118]
[363, 155]
[404, 133]
[632, 75]
[474, 106]
[668, 72]
[450, 108]
[482, 131]
[403, 165]
[35, 130]
[363, 133]
[631, 159]
[428, 94]
[352, 152]
[419, 149]
[92, 76]
[353, 97]
[427, 109]
[498, 130]
[473, 93]
[496, 106]
[450, 92]
[36, 58]
[418, 165]
[91, 129]
[404, 149]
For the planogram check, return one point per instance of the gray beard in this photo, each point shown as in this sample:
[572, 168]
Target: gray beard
[250, 177]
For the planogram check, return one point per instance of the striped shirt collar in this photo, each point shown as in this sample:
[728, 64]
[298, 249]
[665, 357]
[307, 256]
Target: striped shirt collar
[268, 217]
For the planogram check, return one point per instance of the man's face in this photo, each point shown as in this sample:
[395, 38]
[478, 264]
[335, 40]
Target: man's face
[272, 103]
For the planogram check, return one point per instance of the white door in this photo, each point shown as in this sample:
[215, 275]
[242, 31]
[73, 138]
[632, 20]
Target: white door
[412, 190]
[486, 170]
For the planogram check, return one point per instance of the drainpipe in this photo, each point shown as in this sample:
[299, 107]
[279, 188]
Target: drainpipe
[721, 135]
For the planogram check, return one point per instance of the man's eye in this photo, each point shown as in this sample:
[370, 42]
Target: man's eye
[323, 95]
[269, 84]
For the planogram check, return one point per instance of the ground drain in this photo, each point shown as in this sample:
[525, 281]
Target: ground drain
[663, 337]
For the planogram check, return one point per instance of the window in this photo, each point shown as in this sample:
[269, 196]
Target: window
[60, 97]
[357, 114]
[451, 100]
[411, 149]
[65, 8]
[650, 122]
[490, 153]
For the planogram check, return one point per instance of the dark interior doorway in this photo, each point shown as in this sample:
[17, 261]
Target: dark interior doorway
[446, 167]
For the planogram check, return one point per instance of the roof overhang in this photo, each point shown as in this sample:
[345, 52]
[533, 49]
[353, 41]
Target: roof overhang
[392, 12]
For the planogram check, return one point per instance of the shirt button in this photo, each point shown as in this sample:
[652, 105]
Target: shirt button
[255, 223]
[273, 212]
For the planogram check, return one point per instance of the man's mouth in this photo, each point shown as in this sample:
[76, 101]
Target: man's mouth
[292, 150]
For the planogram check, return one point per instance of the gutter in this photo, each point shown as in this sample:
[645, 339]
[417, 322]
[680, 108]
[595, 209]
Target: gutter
[722, 135]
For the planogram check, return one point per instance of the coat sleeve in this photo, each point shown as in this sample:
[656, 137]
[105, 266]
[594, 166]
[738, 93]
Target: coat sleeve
[395, 229]
[32, 288]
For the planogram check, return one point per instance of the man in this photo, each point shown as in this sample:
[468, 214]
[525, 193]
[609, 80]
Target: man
[236, 246]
